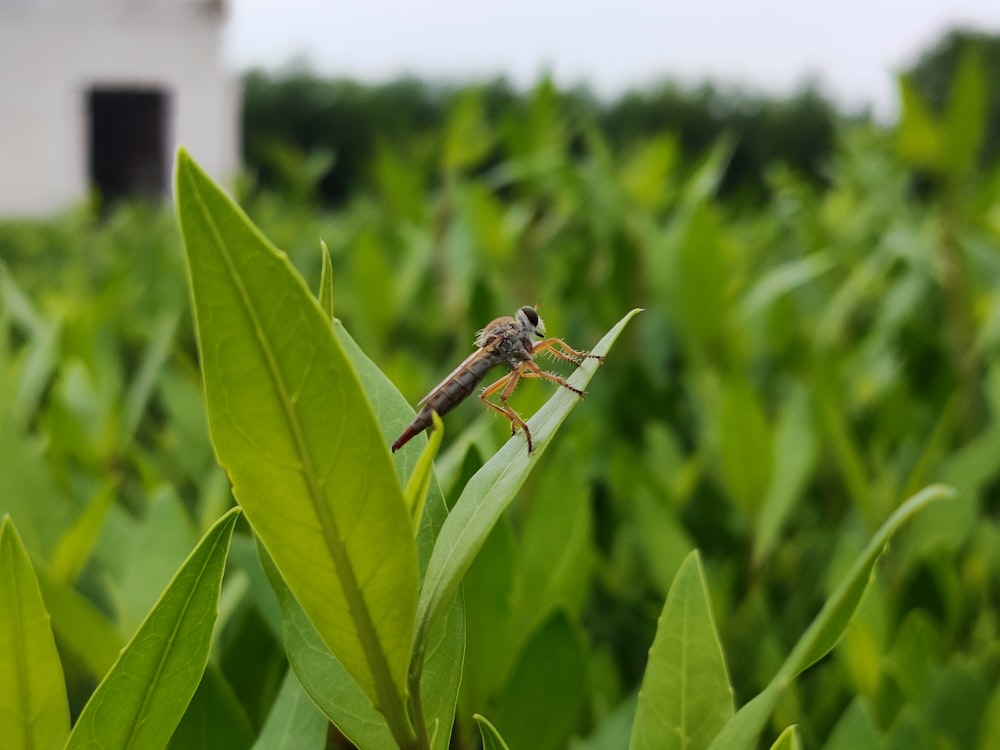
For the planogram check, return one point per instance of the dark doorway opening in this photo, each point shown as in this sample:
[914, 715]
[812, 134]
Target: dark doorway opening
[128, 143]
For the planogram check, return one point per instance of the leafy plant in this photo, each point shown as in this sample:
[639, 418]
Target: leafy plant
[802, 366]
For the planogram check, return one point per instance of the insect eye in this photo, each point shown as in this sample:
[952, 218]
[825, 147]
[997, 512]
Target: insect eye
[530, 314]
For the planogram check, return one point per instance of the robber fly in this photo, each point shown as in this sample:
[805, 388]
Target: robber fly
[507, 342]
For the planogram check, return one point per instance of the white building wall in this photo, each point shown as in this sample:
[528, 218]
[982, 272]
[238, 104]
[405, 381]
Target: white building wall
[52, 52]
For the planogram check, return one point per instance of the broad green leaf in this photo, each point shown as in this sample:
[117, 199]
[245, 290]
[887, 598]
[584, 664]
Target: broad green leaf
[744, 444]
[142, 699]
[539, 707]
[28, 491]
[965, 117]
[294, 721]
[394, 413]
[489, 588]
[788, 740]
[825, 630]
[969, 468]
[646, 177]
[698, 282]
[664, 541]
[243, 555]
[292, 426]
[916, 655]
[795, 453]
[441, 675]
[491, 737]
[82, 629]
[555, 548]
[320, 673]
[855, 729]
[958, 699]
[141, 388]
[33, 708]
[614, 730]
[685, 698]
[920, 138]
[78, 542]
[214, 719]
[161, 544]
[742, 730]
[468, 135]
[490, 491]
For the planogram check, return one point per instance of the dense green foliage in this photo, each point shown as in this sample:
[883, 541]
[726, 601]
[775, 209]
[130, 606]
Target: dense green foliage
[299, 127]
[801, 368]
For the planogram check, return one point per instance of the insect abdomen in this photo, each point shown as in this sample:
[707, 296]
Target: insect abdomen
[449, 395]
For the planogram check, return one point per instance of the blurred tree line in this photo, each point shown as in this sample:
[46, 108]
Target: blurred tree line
[304, 132]
[295, 118]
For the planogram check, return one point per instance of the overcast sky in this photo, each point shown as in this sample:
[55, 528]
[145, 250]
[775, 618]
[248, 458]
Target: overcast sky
[853, 48]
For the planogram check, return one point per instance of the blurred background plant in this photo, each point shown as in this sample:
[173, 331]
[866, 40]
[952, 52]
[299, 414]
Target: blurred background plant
[821, 340]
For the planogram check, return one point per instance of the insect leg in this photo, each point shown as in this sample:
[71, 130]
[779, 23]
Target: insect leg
[560, 349]
[508, 383]
[531, 370]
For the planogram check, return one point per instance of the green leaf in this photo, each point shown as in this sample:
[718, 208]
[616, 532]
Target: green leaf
[490, 491]
[489, 588]
[82, 629]
[162, 543]
[419, 482]
[662, 537]
[294, 721]
[854, 729]
[685, 697]
[795, 453]
[540, 705]
[828, 627]
[214, 720]
[788, 740]
[440, 677]
[491, 737]
[143, 385]
[33, 707]
[291, 425]
[614, 730]
[920, 139]
[142, 699]
[78, 542]
[783, 279]
[965, 116]
[321, 675]
[745, 446]
[698, 280]
[341, 699]
[326, 281]
[43, 348]
[555, 549]
[28, 491]
[468, 135]
[823, 633]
